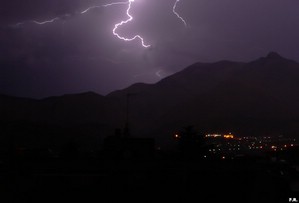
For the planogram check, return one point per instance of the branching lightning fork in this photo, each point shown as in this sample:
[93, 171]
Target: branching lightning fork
[116, 26]
[125, 22]
[129, 3]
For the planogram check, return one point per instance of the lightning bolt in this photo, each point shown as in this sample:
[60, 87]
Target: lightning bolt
[176, 13]
[90, 8]
[116, 26]
[105, 5]
[40, 22]
[158, 73]
[67, 15]
[129, 3]
[45, 22]
[125, 22]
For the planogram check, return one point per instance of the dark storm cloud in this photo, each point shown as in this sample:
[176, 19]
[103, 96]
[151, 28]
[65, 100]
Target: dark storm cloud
[79, 53]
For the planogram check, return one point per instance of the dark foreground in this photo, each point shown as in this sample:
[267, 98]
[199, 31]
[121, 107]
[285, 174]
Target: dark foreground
[146, 181]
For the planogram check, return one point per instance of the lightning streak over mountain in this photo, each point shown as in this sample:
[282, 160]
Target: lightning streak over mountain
[176, 13]
[125, 22]
[116, 26]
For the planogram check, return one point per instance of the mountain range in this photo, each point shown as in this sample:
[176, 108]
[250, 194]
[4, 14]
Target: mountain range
[258, 98]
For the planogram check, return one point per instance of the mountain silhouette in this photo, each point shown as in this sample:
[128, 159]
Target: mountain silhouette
[256, 98]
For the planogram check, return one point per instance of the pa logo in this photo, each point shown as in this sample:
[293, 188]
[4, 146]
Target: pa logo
[293, 199]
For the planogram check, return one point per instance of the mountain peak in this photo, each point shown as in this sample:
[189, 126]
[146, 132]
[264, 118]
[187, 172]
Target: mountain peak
[273, 55]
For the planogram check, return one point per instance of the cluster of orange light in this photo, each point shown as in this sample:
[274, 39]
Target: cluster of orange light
[229, 136]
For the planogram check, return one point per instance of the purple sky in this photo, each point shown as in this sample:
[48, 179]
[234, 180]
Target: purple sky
[79, 52]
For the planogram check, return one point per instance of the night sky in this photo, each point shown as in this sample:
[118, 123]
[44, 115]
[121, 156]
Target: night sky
[78, 52]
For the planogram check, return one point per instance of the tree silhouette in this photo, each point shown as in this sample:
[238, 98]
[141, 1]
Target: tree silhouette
[191, 143]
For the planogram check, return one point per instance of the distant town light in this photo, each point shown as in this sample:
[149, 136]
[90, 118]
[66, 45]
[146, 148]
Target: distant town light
[176, 136]
[230, 144]
[213, 135]
[229, 136]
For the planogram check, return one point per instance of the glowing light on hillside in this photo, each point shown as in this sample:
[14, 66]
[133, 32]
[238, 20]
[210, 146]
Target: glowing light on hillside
[229, 136]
